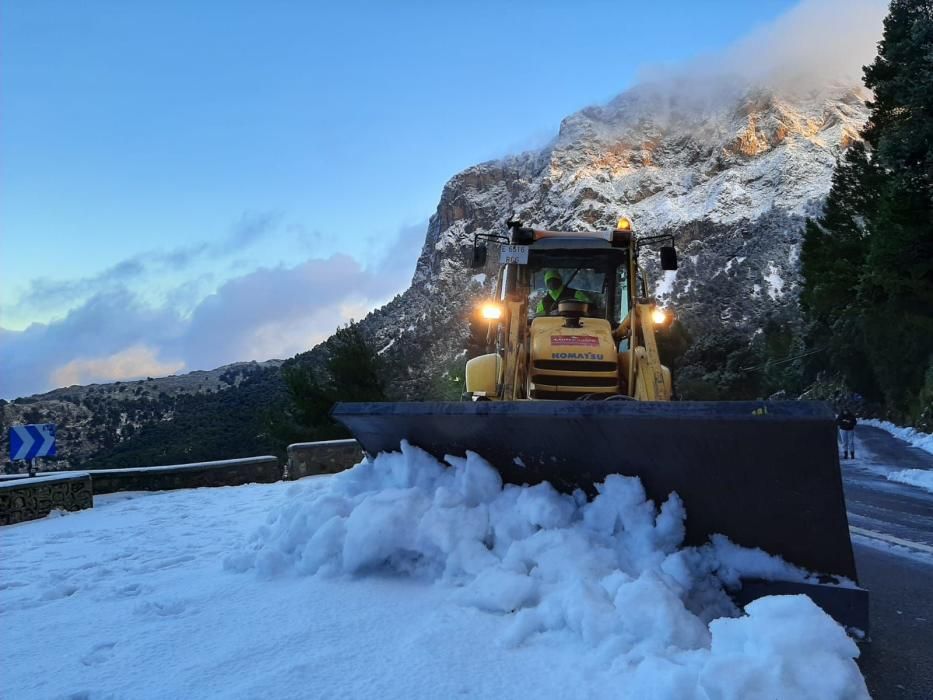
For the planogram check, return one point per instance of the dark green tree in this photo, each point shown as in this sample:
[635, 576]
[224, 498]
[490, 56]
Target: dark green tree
[202, 427]
[351, 372]
[900, 126]
[868, 261]
[833, 257]
[718, 368]
[780, 349]
[896, 286]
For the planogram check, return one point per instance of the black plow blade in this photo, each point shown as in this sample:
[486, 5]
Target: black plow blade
[765, 478]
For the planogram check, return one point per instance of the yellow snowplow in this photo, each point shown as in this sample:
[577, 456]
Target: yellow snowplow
[554, 340]
[573, 390]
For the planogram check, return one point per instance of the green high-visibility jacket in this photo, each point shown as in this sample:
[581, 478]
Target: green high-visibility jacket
[550, 300]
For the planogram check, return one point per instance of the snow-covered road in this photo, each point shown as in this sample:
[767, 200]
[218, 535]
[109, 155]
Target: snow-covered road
[247, 592]
[892, 524]
[885, 509]
[130, 600]
[479, 591]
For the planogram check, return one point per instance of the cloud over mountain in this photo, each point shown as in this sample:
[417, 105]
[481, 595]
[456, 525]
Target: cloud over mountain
[265, 313]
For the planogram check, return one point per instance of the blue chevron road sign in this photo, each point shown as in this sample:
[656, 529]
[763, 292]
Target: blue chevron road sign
[31, 441]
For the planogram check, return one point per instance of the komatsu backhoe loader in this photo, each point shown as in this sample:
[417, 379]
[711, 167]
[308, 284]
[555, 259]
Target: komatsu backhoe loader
[573, 390]
[597, 343]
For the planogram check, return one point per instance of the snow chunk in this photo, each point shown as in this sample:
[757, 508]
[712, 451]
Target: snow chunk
[611, 574]
[784, 647]
[497, 590]
[479, 279]
[921, 478]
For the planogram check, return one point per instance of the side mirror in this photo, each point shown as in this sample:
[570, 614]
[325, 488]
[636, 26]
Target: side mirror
[479, 256]
[668, 258]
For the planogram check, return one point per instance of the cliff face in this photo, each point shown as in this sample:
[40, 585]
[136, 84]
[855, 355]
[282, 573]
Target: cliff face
[731, 176]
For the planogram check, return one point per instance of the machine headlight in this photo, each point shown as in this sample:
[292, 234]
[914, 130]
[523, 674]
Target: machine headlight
[491, 311]
[659, 316]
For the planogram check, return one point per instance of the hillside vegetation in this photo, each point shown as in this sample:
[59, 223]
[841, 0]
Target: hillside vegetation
[867, 261]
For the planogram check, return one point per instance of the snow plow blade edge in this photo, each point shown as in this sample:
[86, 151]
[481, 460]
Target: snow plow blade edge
[765, 474]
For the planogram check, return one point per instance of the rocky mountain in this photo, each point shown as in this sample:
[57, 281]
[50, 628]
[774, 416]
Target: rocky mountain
[729, 170]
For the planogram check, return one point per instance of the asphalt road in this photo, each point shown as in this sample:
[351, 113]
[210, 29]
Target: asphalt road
[892, 529]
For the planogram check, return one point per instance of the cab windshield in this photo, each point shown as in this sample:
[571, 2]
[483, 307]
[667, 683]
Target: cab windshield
[553, 284]
[598, 282]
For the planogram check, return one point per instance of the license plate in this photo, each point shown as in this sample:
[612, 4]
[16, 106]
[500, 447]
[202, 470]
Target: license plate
[517, 254]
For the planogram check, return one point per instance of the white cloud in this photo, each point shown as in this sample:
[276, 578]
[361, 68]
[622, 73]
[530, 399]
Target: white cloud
[266, 313]
[814, 43]
[48, 295]
[134, 362]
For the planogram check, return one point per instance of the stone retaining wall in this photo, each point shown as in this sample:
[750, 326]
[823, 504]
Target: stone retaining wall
[329, 457]
[227, 472]
[36, 497]
[27, 498]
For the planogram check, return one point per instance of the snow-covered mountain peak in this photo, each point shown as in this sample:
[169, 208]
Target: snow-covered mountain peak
[730, 169]
[669, 158]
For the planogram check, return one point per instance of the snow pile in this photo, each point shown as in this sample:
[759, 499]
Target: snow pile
[922, 440]
[609, 573]
[922, 478]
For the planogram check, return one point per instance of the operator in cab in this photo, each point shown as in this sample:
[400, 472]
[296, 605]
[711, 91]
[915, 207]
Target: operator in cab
[557, 291]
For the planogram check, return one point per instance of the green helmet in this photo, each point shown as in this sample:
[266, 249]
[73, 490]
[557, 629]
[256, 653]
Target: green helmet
[553, 283]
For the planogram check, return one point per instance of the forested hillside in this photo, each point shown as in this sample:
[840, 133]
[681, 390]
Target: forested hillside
[867, 261]
[202, 415]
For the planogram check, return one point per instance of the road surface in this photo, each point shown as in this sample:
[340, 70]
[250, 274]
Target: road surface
[892, 529]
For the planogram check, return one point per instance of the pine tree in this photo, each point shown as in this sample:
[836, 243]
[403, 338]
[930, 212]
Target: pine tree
[832, 258]
[896, 285]
[868, 261]
[900, 127]
[352, 372]
[354, 367]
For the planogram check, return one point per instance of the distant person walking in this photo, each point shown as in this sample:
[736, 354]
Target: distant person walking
[846, 424]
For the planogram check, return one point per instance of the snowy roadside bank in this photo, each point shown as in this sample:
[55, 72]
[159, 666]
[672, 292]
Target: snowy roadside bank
[921, 478]
[910, 435]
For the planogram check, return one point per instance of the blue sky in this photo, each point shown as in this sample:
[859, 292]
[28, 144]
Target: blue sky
[157, 154]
